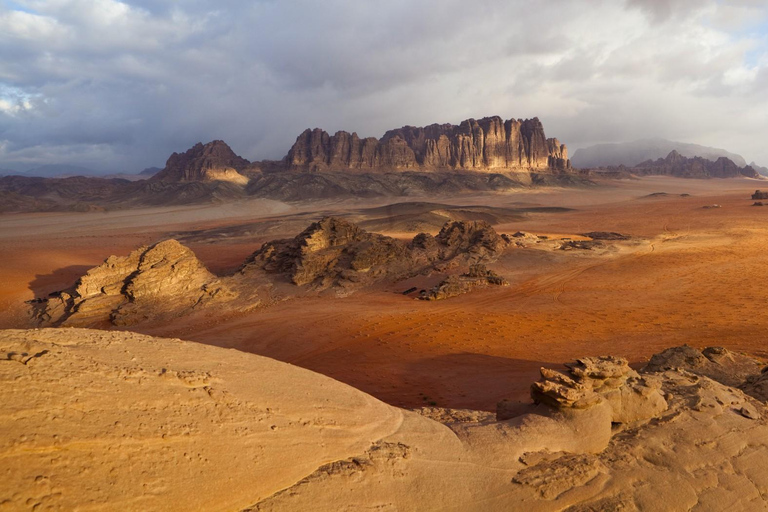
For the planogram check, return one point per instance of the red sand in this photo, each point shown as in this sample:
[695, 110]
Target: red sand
[699, 277]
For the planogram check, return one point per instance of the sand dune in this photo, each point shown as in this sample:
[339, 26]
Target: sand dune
[94, 420]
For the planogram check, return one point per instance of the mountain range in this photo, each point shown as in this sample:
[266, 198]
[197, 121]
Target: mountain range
[636, 152]
[475, 156]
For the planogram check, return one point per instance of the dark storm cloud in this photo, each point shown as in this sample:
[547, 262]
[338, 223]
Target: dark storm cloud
[120, 85]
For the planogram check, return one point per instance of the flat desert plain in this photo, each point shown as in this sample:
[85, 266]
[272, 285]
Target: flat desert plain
[689, 274]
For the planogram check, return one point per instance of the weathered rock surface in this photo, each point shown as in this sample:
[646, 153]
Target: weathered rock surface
[335, 252]
[171, 416]
[214, 161]
[488, 144]
[592, 380]
[717, 363]
[759, 194]
[167, 279]
[151, 282]
[454, 285]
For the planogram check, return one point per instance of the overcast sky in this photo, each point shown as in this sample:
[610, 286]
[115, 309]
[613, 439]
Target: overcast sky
[120, 85]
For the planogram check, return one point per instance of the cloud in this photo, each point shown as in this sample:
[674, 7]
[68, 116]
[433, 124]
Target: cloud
[120, 85]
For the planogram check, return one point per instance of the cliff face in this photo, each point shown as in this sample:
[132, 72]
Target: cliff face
[488, 144]
[214, 161]
[676, 164]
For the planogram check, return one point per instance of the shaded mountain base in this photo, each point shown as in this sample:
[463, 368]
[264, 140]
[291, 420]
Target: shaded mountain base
[23, 194]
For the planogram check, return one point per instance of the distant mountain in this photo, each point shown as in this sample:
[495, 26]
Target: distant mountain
[631, 154]
[214, 161]
[58, 171]
[150, 171]
[760, 169]
[676, 164]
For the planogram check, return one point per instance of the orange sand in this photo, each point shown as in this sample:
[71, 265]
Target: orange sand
[699, 276]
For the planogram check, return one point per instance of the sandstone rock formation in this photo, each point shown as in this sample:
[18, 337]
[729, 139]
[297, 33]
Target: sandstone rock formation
[717, 363]
[454, 285]
[759, 194]
[336, 253]
[592, 380]
[173, 418]
[167, 279]
[151, 282]
[214, 161]
[489, 145]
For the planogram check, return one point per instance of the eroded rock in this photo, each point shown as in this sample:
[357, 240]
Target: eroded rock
[454, 285]
[149, 283]
[717, 363]
[591, 380]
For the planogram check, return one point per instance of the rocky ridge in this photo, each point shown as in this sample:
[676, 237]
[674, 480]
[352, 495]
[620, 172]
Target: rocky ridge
[166, 279]
[675, 164]
[478, 276]
[488, 144]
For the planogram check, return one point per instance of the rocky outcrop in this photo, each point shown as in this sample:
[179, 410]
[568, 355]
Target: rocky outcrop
[214, 161]
[337, 253]
[592, 380]
[330, 252]
[759, 194]
[167, 279]
[489, 145]
[148, 284]
[676, 164]
[717, 363]
[478, 276]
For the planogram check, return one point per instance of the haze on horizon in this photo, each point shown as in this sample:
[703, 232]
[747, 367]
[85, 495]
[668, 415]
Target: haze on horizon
[120, 85]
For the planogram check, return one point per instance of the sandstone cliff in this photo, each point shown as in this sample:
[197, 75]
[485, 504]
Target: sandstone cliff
[214, 161]
[489, 144]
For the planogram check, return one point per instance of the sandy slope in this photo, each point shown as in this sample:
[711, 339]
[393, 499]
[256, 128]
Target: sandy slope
[119, 420]
[92, 420]
[695, 276]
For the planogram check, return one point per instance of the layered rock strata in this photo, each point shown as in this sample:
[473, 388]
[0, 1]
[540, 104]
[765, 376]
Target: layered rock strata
[148, 284]
[489, 144]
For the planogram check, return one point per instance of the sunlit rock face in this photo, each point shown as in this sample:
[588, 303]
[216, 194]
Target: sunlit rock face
[214, 161]
[488, 144]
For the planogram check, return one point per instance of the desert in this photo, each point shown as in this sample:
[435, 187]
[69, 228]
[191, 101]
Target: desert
[619, 267]
[405, 256]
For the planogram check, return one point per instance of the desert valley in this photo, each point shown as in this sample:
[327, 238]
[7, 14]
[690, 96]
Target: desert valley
[398, 257]
[444, 302]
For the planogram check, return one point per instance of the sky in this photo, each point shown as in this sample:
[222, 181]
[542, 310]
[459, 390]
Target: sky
[119, 86]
